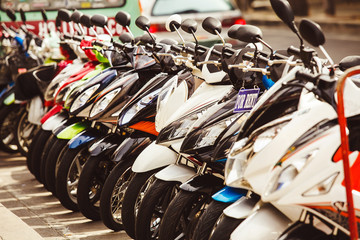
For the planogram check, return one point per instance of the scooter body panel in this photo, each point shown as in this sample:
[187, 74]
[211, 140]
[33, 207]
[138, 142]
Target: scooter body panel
[152, 157]
[84, 137]
[108, 143]
[54, 121]
[206, 183]
[174, 172]
[265, 223]
[242, 208]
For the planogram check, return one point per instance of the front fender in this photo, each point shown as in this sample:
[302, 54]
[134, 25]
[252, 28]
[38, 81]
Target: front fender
[229, 194]
[152, 157]
[267, 222]
[71, 131]
[242, 208]
[208, 184]
[106, 144]
[177, 173]
[130, 148]
[54, 121]
[85, 137]
[303, 231]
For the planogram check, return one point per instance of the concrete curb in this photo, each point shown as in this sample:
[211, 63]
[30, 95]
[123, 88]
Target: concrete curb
[12, 227]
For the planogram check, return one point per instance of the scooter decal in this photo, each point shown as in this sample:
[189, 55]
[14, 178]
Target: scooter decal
[9, 99]
[73, 130]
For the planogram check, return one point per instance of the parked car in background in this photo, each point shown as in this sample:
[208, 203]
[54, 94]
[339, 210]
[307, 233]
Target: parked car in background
[159, 10]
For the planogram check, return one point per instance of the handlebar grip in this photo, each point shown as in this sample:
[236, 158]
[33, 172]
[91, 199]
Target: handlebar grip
[306, 76]
[293, 51]
[216, 53]
[176, 48]
[190, 50]
[118, 45]
[67, 36]
[100, 44]
[77, 38]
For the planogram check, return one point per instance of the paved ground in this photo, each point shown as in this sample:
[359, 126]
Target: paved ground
[30, 202]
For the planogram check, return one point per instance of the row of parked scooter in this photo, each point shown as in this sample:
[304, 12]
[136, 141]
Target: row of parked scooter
[169, 140]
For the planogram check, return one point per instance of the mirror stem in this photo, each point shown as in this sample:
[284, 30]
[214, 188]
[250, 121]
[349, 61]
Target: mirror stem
[266, 45]
[128, 29]
[328, 58]
[82, 31]
[94, 32]
[108, 30]
[196, 41]
[178, 33]
[222, 39]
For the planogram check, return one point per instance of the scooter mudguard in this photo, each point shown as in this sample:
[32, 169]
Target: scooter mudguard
[229, 194]
[129, 149]
[54, 121]
[303, 231]
[207, 183]
[154, 156]
[64, 124]
[177, 173]
[265, 223]
[84, 137]
[107, 144]
[72, 130]
[242, 208]
[54, 110]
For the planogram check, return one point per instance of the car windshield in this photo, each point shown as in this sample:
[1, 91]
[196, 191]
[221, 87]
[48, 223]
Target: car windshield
[168, 7]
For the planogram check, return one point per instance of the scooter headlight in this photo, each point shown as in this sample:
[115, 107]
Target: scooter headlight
[236, 164]
[208, 135]
[81, 100]
[103, 102]
[282, 176]
[179, 128]
[265, 137]
[136, 107]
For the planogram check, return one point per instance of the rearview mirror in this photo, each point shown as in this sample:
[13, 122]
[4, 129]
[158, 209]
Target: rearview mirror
[99, 20]
[173, 23]
[75, 17]
[11, 14]
[232, 32]
[284, 11]
[249, 34]
[64, 15]
[143, 23]
[44, 16]
[123, 18]
[22, 15]
[311, 32]
[125, 37]
[189, 25]
[212, 25]
[85, 21]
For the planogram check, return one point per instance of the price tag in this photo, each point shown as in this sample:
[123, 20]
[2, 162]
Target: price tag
[246, 100]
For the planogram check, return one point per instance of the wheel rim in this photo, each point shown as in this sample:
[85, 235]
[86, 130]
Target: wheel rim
[74, 172]
[25, 132]
[118, 193]
[8, 129]
[142, 192]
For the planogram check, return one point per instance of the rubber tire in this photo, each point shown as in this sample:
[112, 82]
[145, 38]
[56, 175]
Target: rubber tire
[152, 198]
[31, 151]
[35, 151]
[180, 205]
[49, 143]
[130, 198]
[224, 227]
[119, 178]
[23, 119]
[5, 112]
[50, 164]
[208, 219]
[92, 172]
[62, 173]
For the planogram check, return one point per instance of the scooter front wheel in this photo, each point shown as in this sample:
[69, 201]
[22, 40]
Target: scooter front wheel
[9, 115]
[25, 132]
[224, 227]
[67, 173]
[208, 220]
[182, 215]
[152, 208]
[91, 182]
